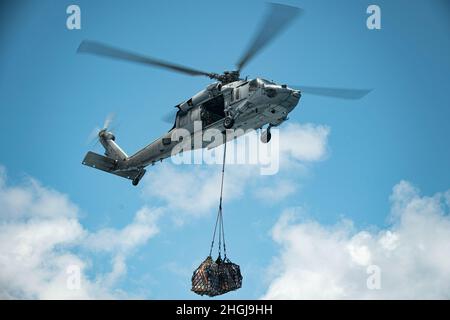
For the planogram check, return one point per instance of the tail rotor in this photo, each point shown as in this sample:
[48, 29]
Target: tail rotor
[97, 132]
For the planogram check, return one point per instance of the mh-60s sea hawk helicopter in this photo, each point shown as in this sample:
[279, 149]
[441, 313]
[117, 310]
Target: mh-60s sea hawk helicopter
[231, 102]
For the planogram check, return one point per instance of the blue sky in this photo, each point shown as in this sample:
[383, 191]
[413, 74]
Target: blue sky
[51, 99]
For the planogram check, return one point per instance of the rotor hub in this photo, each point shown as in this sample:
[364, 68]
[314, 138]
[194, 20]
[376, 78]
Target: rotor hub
[227, 76]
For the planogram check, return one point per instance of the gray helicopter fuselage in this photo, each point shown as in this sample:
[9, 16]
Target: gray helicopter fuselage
[253, 103]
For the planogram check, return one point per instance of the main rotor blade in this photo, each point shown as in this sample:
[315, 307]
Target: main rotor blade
[350, 94]
[277, 19]
[101, 49]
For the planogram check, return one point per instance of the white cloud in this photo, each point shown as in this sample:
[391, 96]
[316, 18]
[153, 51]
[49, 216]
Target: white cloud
[131, 236]
[304, 142]
[41, 237]
[194, 189]
[32, 200]
[277, 191]
[330, 262]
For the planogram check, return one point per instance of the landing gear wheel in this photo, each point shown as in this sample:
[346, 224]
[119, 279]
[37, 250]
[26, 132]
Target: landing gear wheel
[138, 178]
[228, 122]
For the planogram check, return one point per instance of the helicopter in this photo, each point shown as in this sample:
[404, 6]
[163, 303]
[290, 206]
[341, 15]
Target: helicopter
[231, 102]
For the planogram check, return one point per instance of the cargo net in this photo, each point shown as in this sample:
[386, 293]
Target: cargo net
[213, 278]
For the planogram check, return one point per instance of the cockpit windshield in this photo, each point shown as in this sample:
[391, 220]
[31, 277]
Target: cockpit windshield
[258, 82]
[266, 81]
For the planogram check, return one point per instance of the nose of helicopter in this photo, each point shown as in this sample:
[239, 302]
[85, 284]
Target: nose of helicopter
[283, 95]
[290, 96]
[293, 98]
[295, 93]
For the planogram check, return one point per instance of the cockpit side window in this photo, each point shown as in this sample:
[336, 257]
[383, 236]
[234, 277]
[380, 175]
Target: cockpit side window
[253, 85]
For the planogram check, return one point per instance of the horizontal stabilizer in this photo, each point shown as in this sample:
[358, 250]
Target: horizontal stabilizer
[99, 162]
[109, 165]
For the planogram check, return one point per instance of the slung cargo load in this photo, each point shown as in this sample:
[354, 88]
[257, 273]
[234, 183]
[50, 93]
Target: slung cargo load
[213, 278]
